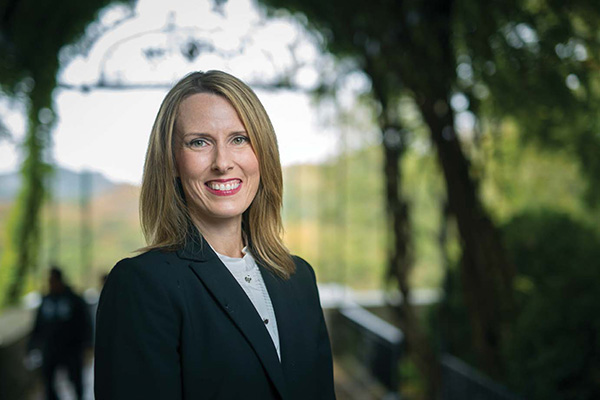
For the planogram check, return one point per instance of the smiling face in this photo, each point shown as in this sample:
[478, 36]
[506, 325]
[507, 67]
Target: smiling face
[217, 166]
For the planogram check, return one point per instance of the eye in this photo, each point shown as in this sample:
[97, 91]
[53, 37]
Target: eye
[197, 143]
[240, 140]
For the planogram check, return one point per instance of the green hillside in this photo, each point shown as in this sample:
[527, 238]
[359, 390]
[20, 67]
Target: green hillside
[335, 217]
[114, 234]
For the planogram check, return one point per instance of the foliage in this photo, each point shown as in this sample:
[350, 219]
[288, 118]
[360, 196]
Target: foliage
[537, 63]
[32, 34]
[449, 321]
[553, 352]
[531, 62]
[517, 176]
[516, 180]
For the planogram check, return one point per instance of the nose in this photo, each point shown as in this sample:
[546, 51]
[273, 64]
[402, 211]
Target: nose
[222, 159]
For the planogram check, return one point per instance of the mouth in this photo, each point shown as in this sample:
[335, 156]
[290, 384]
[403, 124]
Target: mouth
[224, 188]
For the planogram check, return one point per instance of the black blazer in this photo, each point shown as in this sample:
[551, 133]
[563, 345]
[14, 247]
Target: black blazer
[177, 325]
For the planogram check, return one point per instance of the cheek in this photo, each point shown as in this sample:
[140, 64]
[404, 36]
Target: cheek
[251, 163]
[187, 165]
[253, 168]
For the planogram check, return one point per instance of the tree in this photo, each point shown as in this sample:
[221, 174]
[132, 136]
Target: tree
[32, 34]
[534, 62]
[357, 35]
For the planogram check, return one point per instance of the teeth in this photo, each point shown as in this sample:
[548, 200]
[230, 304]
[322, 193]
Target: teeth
[224, 186]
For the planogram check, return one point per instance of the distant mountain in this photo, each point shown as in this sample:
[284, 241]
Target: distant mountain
[66, 184]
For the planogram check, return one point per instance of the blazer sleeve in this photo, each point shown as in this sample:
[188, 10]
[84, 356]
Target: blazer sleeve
[137, 336]
[325, 359]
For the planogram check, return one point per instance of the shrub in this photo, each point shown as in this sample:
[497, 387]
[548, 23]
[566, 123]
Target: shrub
[554, 348]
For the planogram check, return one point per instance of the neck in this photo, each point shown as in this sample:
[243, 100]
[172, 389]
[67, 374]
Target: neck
[224, 236]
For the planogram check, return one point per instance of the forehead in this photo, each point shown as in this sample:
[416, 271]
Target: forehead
[206, 111]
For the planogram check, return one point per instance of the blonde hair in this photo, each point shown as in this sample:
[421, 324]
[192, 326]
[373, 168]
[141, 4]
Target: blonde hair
[164, 215]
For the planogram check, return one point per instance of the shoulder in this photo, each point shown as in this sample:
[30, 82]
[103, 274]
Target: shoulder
[304, 283]
[303, 268]
[154, 266]
[304, 274]
[143, 280]
[151, 257]
[153, 261]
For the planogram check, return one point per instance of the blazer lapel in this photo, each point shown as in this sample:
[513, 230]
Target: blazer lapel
[282, 297]
[232, 299]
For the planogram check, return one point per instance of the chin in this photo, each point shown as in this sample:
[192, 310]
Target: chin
[226, 214]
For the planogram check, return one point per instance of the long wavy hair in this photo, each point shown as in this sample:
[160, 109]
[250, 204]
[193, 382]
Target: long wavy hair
[164, 214]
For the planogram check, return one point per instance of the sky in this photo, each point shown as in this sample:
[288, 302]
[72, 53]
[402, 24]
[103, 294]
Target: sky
[107, 131]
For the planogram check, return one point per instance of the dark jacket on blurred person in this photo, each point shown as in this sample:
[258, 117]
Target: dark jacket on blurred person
[62, 324]
[61, 332]
[177, 325]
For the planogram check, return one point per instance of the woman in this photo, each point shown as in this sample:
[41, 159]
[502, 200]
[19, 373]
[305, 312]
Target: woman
[215, 308]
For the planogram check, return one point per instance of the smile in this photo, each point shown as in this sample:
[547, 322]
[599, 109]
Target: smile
[224, 188]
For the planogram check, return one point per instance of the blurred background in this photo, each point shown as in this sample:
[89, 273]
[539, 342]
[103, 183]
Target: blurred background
[441, 166]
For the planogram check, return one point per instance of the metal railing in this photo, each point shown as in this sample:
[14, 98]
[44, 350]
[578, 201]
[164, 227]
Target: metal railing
[370, 348]
[460, 381]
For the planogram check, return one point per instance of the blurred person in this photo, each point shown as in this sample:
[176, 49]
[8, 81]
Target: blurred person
[61, 334]
[215, 307]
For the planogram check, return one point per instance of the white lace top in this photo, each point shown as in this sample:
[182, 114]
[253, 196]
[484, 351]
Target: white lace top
[246, 273]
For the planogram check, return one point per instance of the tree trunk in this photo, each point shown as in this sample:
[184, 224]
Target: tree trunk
[486, 274]
[400, 263]
[400, 255]
[25, 233]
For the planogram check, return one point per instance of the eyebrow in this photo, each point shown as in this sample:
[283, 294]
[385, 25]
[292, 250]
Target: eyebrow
[208, 134]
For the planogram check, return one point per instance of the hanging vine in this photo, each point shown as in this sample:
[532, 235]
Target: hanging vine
[32, 33]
